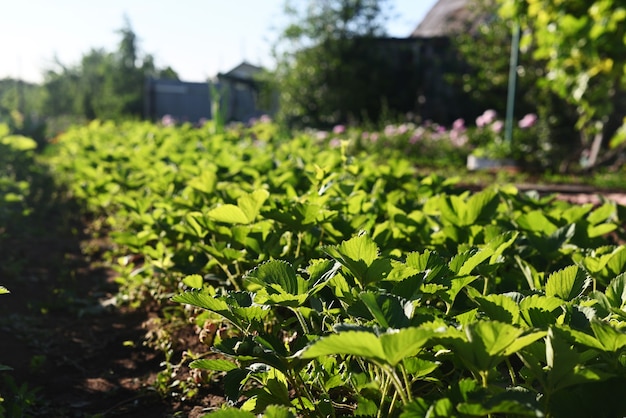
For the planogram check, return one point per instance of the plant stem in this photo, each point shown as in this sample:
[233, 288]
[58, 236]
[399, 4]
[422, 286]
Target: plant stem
[383, 395]
[397, 383]
[303, 324]
[298, 245]
[511, 372]
[231, 278]
[407, 383]
[483, 377]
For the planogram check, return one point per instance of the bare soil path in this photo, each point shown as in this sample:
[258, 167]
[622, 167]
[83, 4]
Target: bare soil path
[71, 356]
[74, 353]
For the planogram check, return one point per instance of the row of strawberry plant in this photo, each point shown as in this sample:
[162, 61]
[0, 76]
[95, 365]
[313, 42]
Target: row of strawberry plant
[483, 282]
[16, 158]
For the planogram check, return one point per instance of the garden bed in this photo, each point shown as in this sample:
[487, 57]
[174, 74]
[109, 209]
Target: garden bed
[269, 252]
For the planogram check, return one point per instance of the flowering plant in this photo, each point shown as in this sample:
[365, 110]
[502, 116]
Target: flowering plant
[429, 144]
[487, 137]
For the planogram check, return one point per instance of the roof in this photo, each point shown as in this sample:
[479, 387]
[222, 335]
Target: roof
[245, 70]
[446, 17]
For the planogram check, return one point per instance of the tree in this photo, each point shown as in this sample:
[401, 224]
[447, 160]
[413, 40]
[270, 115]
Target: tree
[20, 108]
[328, 70]
[582, 45]
[484, 46]
[104, 85]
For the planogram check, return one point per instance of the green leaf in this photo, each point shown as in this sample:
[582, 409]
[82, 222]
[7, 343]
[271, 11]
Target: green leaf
[230, 413]
[251, 204]
[452, 209]
[611, 338]
[487, 343]
[501, 243]
[19, 142]
[565, 367]
[418, 367]
[194, 224]
[388, 310]
[4, 290]
[277, 276]
[511, 402]
[217, 365]
[365, 407]
[617, 262]
[478, 207]
[568, 283]
[277, 411]
[548, 244]
[202, 300]
[500, 308]
[205, 182]
[441, 408]
[540, 310]
[356, 254]
[389, 348]
[194, 281]
[229, 214]
[599, 230]
[418, 408]
[474, 260]
[240, 316]
[428, 262]
[533, 278]
[537, 222]
[481, 206]
[616, 291]
[602, 214]
[233, 384]
[455, 286]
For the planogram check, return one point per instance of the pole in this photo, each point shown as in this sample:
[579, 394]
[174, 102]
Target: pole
[510, 98]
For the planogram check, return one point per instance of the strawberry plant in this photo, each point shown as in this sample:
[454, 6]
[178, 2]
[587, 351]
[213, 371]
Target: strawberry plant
[333, 283]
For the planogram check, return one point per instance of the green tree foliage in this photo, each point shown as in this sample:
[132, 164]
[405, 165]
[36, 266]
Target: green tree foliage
[485, 47]
[329, 67]
[583, 46]
[20, 108]
[104, 85]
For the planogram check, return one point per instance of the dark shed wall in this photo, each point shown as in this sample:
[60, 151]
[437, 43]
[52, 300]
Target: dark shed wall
[188, 102]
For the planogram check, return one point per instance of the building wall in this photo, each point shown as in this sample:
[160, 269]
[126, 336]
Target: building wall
[191, 102]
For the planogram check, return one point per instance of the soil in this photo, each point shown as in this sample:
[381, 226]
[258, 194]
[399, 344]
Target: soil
[72, 351]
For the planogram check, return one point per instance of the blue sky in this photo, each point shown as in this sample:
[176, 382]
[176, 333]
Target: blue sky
[198, 38]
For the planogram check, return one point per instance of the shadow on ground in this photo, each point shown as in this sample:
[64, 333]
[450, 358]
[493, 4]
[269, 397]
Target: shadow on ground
[71, 354]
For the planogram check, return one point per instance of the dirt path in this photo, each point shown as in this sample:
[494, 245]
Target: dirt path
[71, 356]
[577, 193]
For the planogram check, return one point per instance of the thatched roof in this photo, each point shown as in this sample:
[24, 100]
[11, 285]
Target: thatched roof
[445, 18]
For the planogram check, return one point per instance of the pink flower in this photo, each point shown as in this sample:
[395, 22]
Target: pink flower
[527, 121]
[458, 125]
[457, 138]
[335, 143]
[417, 135]
[321, 135]
[339, 129]
[374, 137]
[390, 130]
[365, 135]
[265, 119]
[486, 118]
[168, 120]
[497, 126]
[402, 129]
